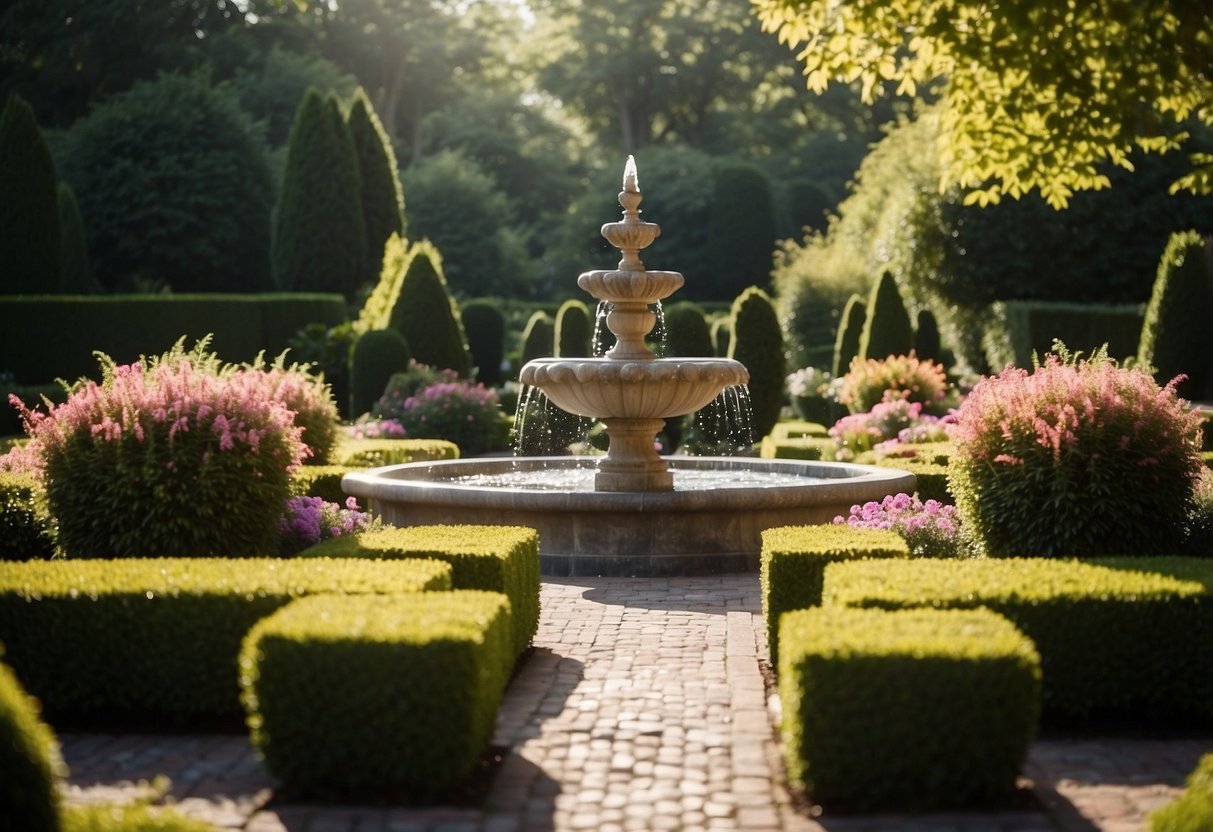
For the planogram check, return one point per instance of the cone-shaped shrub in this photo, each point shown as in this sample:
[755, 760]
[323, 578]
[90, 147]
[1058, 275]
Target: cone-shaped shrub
[574, 328]
[1077, 459]
[381, 200]
[538, 339]
[378, 355]
[758, 344]
[886, 330]
[29, 758]
[319, 234]
[428, 318]
[687, 332]
[485, 327]
[926, 337]
[846, 345]
[722, 335]
[1177, 335]
[76, 277]
[376, 312]
[741, 230]
[29, 208]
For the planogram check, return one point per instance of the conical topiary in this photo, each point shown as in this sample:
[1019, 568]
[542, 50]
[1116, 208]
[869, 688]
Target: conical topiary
[319, 234]
[741, 229]
[76, 277]
[426, 315]
[926, 337]
[538, 338]
[381, 200]
[758, 344]
[485, 328]
[886, 330]
[574, 329]
[686, 331]
[722, 335]
[1177, 334]
[29, 205]
[846, 344]
[377, 355]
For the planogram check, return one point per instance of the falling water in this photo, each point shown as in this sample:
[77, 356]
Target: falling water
[543, 429]
[724, 427]
[603, 339]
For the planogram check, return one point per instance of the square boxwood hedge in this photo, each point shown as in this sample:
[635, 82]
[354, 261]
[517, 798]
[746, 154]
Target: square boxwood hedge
[372, 453]
[387, 696]
[1193, 812]
[1124, 637]
[495, 558]
[162, 635]
[793, 561]
[920, 709]
[29, 762]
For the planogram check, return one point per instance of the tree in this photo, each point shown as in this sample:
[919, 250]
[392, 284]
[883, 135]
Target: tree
[758, 344]
[381, 200]
[846, 346]
[1038, 95]
[426, 315]
[1176, 338]
[29, 209]
[319, 235]
[887, 329]
[484, 324]
[741, 232]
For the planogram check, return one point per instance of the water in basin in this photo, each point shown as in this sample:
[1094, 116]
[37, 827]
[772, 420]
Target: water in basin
[581, 479]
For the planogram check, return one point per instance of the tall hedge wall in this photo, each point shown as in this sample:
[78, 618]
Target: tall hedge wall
[1016, 328]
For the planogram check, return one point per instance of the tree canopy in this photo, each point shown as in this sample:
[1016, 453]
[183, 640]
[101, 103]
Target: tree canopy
[1039, 94]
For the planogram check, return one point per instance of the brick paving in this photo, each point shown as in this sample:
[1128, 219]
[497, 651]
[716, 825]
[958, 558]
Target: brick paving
[642, 707]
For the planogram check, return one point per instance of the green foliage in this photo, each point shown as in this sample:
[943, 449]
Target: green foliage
[930, 476]
[377, 356]
[129, 818]
[29, 212]
[395, 695]
[797, 447]
[1193, 812]
[328, 350]
[376, 312]
[926, 337]
[1157, 669]
[29, 758]
[687, 333]
[484, 324]
[757, 343]
[380, 197]
[407, 383]
[460, 411]
[922, 709]
[27, 530]
[886, 329]
[1016, 330]
[274, 86]
[846, 345]
[574, 329]
[539, 337]
[319, 231]
[309, 397]
[77, 275]
[373, 453]
[741, 229]
[428, 317]
[873, 380]
[722, 334]
[494, 558]
[793, 561]
[174, 188]
[1176, 337]
[323, 481]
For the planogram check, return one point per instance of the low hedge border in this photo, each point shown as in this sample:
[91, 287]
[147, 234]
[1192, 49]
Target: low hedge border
[372, 453]
[386, 696]
[1124, 637]
[495, 558]
[793, 560]
[323, 481]
[805, 447]
[29, 760]
[27, 530]
[922, 709]
[162, 635]
[799, 429]
[1193, 812]
[129, 818]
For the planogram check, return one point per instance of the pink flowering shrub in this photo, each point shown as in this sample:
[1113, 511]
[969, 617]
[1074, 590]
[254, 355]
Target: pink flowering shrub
[172, 456]
[403, 386]
[309, 520]
[367, 428]
[930, 529]
[1079, 458]
[427, 403]
[890, 421]
[871, 381]
[309, 398]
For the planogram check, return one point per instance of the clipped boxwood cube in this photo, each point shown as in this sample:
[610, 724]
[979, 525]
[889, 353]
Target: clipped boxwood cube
[794, 558]
[29, 762]
[391, 696]
[495, 558]
[920, 709]
[372, 453]
[1193, 812]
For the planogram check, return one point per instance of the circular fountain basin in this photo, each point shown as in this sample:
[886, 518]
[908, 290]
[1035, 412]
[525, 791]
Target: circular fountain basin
[710, 523]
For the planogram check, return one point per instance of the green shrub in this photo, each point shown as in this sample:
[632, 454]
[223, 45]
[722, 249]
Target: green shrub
[722, 335]
[1077, 458]
[319, 232]
[376, 312]
[922, 709]
[323, 481]
[391, 696]
[328, 351]
[379, 186]
[310, 398]
[27, 530]
[29, 758]
[76, 277]
[687, 333]
[870, 381]
[886, 329]
[495, 558]
[741, 229]
[926, 337]
[406, 384]
[1017, 330]
[538, 339]
[793, 560]
[1176, 338]
[797, 447]
[485, 327]
[1157, 667]
[29, 209]
[129, 818]
[373, 453]
[458, 411]
[428, 318]
[161, 636]
[1193, 812]
[846, 344]
[758, 344]
[377, 356]
[574, 328]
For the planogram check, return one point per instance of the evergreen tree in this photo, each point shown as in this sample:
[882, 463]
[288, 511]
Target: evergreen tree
[319, 234]
[741, 231]
[687, 333]
[886, 330]
[574, 329]
[426, 315]
[29, 208]
[377, 355]
[538, 338]
[846, 345]
[381, 199]
[76, 277]
[722, 335]
[926, 337]
[758, 344]
[1177, 334]
[485, 328]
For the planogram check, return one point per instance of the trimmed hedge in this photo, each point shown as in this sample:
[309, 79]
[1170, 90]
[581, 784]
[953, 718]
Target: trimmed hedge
[162, 635]
[27, 530]
[495, 558]
[931, 474]
[29, 760]
[1017, 328]
[1193, 812]
[323, 481]
[1117, 636]
[372, 453]
[69, 328]
[377, 696]
[799, 447]
[109, 817]
[793, 560]
[920, 709]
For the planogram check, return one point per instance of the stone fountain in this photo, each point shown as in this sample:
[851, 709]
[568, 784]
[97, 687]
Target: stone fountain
[631, 512]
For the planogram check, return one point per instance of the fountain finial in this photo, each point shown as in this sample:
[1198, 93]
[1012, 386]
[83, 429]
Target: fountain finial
[630, 180]
[631, 234]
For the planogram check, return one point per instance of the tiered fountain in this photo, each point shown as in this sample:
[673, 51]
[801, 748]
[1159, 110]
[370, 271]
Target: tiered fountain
[631, 512]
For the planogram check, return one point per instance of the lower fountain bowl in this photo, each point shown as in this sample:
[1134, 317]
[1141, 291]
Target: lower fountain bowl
[711, 523]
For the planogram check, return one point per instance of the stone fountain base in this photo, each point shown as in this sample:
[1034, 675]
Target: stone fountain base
[636, 534]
